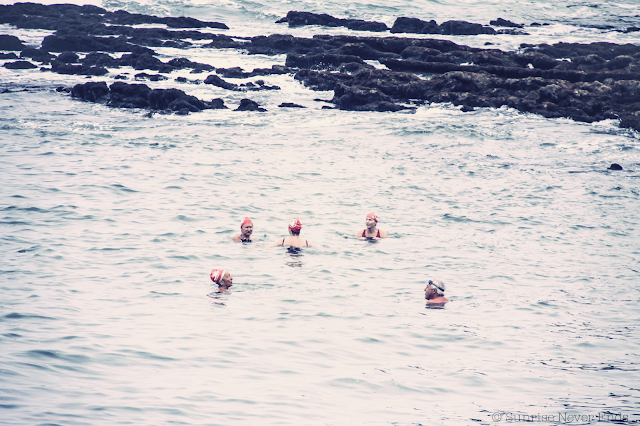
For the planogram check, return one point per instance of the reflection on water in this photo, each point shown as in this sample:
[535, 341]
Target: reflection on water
[295, 253]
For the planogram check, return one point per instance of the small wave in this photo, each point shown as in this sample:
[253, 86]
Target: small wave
[16, 315]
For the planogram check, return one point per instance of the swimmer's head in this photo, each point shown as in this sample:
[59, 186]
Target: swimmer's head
[222, 277]
[246, 227]
[246, 221]
[435, 285]
[295, 225]
[371, 221]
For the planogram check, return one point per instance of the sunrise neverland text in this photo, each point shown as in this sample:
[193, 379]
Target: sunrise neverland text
[559, 417]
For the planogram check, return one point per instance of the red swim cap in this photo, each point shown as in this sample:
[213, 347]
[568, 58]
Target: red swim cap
[245, 221]
[295, 225]
[373, 216]
[217, 274]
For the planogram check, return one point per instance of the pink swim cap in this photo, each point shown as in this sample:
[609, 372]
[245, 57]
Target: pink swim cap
[373, 216]
[245, 221]
[217, 274]
[295, 225]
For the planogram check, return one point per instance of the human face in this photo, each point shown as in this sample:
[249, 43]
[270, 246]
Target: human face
[227, 280]
[247, 229]
[430, 291]
[370, 222]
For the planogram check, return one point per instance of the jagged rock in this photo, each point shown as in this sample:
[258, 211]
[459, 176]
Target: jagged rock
[320, 61]
[85, 43]
[19, 65]
[290, 105]
[218, 82]
[144, 62]
[504, 23]
[9, 42]
[150, 77]
[124, 95]
[249, 105]
[91, 91]
[100, 60]
[37, 55]
[415, 25]
[235, 72]
[181, 63]
[464, 28]
[68, 57]
[296, 19]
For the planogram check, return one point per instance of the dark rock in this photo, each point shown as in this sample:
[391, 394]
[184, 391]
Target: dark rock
[64, 68]
[181, 63]
[150, 77]
[37, 55]
[296, 19]
[320, 61]
[91, 91]
[85, 43]
[217, 103]
[290, 105]
[19, 65]
[615, 166]
[9, 42]
[8, 56]
[68, 57]
[504, 23]
[363, 99]
[359, 25]
[275, 69]
[235, 72]
[464, 28]
[219, 82]
[99, 60]
[620, 62]
[249, 105]
[537, 60]
[144, 62]
[414, 25]
[125, 95]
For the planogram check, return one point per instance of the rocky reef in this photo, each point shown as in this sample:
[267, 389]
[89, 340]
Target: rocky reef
[585, 82]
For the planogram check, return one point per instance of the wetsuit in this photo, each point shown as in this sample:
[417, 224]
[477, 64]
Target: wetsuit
[364, 234]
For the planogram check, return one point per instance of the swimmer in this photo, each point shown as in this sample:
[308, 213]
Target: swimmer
[223, 278]
[434, 293]
[246, 228]
[371, 231]
[294, 239]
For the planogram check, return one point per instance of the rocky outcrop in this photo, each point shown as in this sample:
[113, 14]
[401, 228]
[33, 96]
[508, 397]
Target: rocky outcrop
[297, 19]
[124, 95]
[418, 26]
[19, 65]
[249, 105]
[9, 42]
[586, 82]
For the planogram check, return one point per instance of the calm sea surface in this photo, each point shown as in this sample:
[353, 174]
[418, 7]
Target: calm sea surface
[110, 223]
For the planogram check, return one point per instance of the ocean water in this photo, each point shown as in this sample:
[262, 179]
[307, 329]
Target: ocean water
[110, 222]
